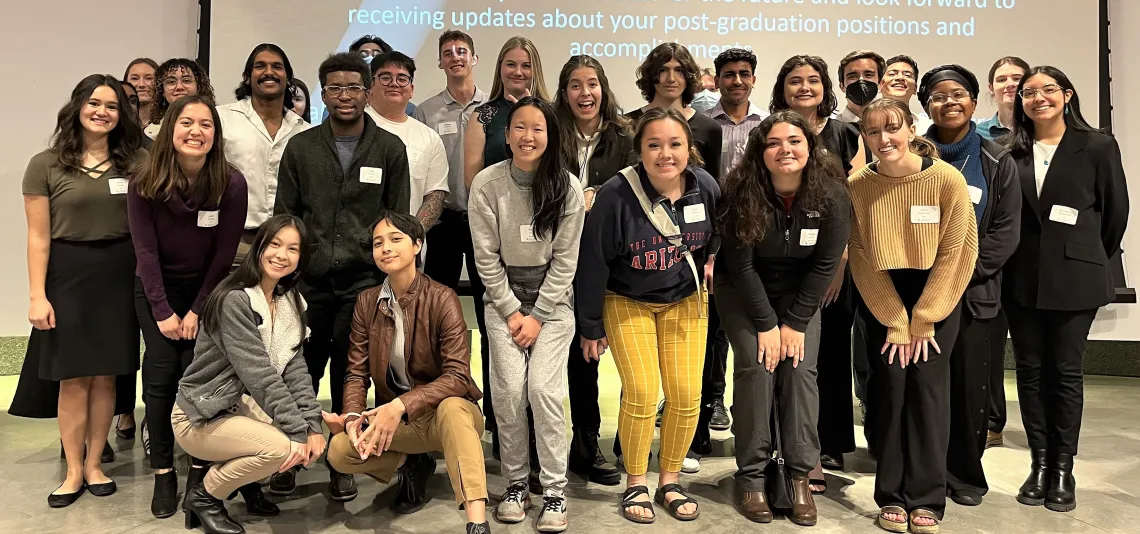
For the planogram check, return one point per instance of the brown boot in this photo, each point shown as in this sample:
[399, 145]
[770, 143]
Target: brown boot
[754, 506]
[803, 505]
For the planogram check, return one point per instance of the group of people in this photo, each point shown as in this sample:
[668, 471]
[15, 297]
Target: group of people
[254, 250]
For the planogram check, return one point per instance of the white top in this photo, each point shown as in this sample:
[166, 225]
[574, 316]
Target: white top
[427, 159]
[1042, 157]
[280, 332]
[251, 150]
[151, 130]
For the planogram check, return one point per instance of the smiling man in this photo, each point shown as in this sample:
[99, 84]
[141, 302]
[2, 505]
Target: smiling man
[256, 129]
[900, 82]
[393, 75]
[338, 178]
[735, 77]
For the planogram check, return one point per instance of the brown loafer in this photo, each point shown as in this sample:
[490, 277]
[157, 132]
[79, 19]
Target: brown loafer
[994, 439]
[754, 506]
[803, 505]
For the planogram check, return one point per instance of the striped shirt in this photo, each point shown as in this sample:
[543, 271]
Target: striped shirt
[735, 135]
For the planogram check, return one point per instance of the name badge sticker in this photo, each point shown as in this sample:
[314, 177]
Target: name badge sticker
[925, 214]
[808, 237]
[447, 128]
[694, 213]
[118, 186]
[371, 175]
[526, 234]
[1063, 215]
[975, 194]
[207, 219]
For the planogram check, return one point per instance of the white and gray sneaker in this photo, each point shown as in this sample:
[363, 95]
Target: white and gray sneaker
[515, 501]
[691, 465]
[553, 517]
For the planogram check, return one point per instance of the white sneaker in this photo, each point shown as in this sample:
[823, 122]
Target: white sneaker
[691, 465]
[553, 517]
[512, 507]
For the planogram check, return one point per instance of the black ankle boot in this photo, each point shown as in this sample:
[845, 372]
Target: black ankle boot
[1032, 492]
[255, 501]
[1062, 493]
[587, 461]
[164, 501]
[202, 509]
[194, 478]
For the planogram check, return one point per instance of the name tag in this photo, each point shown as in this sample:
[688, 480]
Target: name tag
[694, 213]
[975, 194]
[118, 186]
[526, 234]
[371, 175]
[447, 128]
[1063, 215]
[808, 237]
[925, 214]
[207, 219]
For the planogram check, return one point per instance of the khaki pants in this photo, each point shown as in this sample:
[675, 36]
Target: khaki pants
[454, 428]
[244, 445]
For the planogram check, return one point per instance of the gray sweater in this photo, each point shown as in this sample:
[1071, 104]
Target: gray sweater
[234, 361]
[499, 207]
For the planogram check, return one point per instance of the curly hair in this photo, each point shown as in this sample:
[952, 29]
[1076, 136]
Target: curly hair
[649, 73]
[733, 55]
[169, 67]
[67, 140]
[345, 62]
[780, 102]
[748, 199]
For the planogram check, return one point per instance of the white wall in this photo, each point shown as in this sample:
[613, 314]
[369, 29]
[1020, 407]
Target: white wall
[48, 48]
[1122, 322]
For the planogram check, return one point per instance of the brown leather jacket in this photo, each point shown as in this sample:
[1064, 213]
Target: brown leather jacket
[435, 349]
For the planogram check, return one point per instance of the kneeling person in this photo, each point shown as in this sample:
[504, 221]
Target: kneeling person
[423, 380]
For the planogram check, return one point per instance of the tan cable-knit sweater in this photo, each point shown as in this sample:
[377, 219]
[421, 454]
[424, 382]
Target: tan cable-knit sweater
[921, 221]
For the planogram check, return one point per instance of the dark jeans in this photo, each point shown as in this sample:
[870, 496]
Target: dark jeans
[969, 406]
[1049, 347]
[450, 243]
[836, 425]
[910, 409]
[999, 330]
[163, 365]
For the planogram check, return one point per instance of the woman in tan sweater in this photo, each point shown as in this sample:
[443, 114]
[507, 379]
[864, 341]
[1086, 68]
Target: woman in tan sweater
[913, 246]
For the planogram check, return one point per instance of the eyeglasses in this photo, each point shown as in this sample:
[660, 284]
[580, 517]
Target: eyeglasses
[400, 80]
[942, 98]
[350, 90]
[172, 81]
[370, 53]
[1031, 93]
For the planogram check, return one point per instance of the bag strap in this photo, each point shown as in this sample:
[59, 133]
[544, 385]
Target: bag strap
[665, 225]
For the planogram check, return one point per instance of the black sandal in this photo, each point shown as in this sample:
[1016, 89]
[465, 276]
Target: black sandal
[626, 504]
[818, 482]
[675, 505]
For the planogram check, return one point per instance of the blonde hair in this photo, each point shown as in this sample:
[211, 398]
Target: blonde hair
[886, 111]
[537, 80]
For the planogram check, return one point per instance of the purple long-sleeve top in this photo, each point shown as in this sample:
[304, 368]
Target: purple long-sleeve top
[178, 239]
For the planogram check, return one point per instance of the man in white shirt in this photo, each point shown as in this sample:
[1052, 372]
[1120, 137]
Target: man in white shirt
[256, 129]
[392, 89]
[900, 82]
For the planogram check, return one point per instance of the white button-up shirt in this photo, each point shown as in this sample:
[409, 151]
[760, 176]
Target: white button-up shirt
[251, 150]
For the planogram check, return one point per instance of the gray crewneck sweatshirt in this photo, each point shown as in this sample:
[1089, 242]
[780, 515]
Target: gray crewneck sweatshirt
[499, 206]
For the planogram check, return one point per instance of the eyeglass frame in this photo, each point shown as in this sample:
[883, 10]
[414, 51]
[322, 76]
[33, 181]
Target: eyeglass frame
[395, 79]
[1046, 90]
[353, 90]
[947, 97]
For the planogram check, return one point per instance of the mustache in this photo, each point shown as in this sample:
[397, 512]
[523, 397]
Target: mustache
[269, 78]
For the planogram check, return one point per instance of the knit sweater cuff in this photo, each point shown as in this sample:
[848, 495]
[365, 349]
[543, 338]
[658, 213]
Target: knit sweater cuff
[921, 329]
[898, 336]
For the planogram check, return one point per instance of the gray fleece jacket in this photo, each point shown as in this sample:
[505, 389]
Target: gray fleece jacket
[233, 361]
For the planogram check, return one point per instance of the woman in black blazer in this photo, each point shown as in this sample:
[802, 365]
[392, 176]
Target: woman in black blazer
[1072, 222]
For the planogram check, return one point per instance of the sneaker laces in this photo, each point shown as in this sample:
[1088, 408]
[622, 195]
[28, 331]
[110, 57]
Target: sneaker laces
[553, 504]
[516, 493]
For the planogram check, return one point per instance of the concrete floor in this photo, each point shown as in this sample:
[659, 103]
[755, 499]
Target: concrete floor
[1108, 471]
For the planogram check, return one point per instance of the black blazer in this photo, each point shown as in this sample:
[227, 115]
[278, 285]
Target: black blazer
[1059, 266]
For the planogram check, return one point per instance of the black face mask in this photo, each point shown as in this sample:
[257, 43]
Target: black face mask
[862, 92]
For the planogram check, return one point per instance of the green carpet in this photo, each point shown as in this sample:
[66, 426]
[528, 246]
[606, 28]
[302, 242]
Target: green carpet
[12, 354]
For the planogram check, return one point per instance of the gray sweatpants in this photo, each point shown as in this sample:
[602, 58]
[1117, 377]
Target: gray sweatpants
[795, 388]
[534, 377]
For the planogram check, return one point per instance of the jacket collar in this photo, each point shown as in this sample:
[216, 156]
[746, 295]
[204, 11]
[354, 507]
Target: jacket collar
[690, 177]
[385, 293]
[281, 336]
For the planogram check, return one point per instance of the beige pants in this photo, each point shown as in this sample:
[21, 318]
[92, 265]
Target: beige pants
[454, 428]
[244, 445]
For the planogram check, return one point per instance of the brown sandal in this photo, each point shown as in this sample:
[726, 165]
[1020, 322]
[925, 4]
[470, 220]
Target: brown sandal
[889, 525]
[923, 529]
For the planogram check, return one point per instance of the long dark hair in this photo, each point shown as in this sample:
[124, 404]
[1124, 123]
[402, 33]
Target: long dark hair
[162, 177]
[245, 89]
[249, 274]
[748, 199]
[896, 110]
[780, 103]
[649, 73]
[608, 108]
[1020, 138]
[550, 186]
[173, 65]
[122, 142]
[300, 87]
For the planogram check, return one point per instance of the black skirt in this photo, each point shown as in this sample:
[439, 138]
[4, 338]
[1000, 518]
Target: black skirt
[91, 288]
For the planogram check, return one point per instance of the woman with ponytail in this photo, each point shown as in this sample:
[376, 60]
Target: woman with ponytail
[913, 247]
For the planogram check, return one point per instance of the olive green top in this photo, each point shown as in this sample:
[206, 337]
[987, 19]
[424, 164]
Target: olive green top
[83, 207]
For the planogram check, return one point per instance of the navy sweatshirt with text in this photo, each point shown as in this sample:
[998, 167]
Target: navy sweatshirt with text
[622, 252]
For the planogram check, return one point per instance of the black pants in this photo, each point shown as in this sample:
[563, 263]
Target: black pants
[999, 330]
[585, 415]
[969, 406]
[164, 363]
[450, 244]
[910, 409]
[330, 321]
[836, 425]
[1049, 347]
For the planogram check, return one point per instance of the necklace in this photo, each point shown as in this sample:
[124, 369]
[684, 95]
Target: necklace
[1045, 152]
